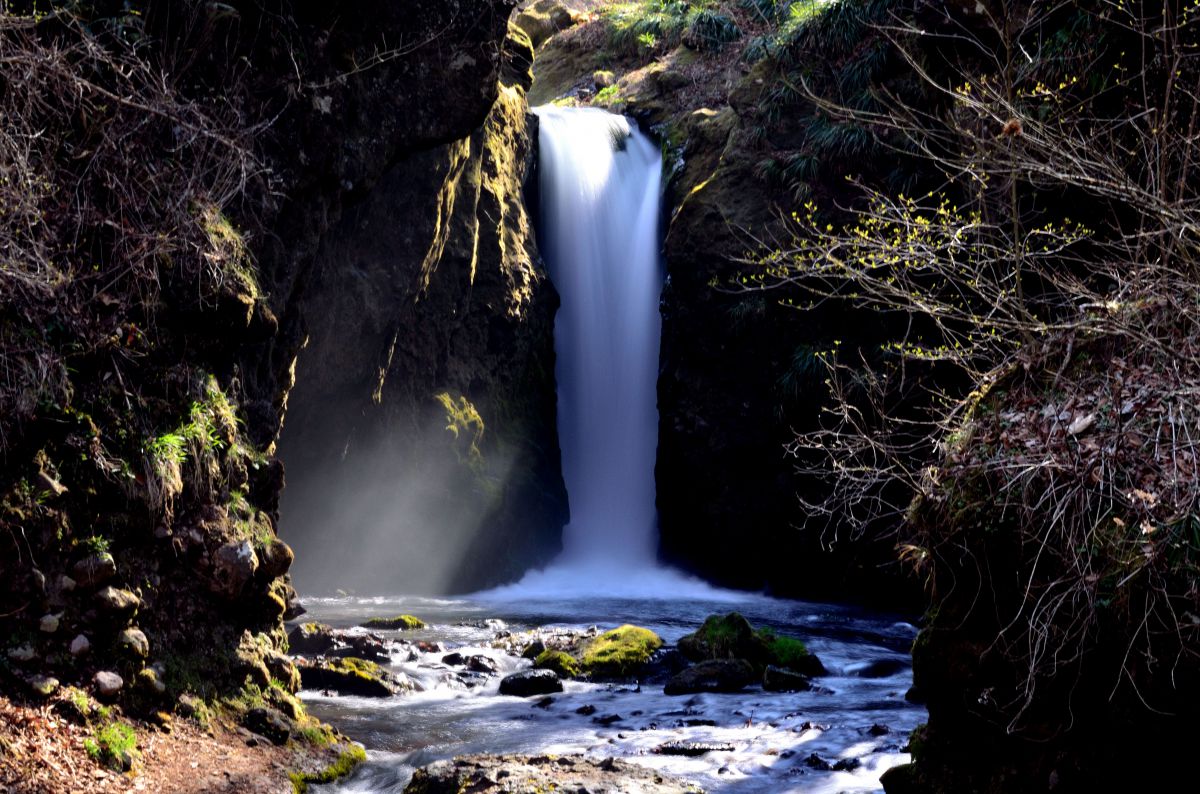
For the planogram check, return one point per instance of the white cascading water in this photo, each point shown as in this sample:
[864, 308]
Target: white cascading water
[600, 185]
[600, 193]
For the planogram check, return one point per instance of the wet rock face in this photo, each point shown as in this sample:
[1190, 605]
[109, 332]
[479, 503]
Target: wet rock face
[541, 773]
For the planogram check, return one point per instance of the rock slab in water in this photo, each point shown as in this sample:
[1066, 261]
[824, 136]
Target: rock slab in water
[776, 679]
[517, 773]
[530, 682]
[716, 675]
[692, 749]
[351, 676]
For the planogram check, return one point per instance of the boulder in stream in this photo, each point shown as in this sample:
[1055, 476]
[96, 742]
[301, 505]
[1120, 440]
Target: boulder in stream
[351, 676]
[777, 679]
[310, 638]
[530, 682]
[394, 623]
[715, 675]
[620, 652]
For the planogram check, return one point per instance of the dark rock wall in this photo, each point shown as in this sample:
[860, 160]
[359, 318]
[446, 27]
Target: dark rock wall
[420, 439]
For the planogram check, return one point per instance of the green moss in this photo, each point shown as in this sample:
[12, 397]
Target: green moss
[563, 664]
[620, 651]
[318, 735]
[608, 96]
[399, 622]
[114, 745]
[466, 425]
[345, 763]
[785, 651]
[723, 636]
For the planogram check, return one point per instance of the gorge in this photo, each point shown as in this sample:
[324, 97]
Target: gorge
[607, 386]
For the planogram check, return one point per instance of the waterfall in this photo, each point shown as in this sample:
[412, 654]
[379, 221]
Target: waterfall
[600, 193]
[600, 185]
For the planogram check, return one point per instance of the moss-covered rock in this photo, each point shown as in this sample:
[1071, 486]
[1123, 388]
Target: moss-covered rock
[561, 662]
[619, 652]
[731, 636]
[352, 676]
[349, 758]
[396, 623]
[310, 638]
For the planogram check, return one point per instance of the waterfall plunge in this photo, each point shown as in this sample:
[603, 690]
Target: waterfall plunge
[600, 184]
[600, 192]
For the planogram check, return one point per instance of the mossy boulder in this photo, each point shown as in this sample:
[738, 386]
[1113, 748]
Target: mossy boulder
[732, 637]
[397, 623]
[543, 19]
[351, 676]
[619, 652]
[310, 638]
[561, 662]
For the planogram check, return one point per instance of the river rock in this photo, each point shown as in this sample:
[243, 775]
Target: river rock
[350, 676]
[523, 773]
[80, 645]
[310, 638]
[362, 646]
[108, 684]
[150, 680]
[692, 749]
[43, 685]
[482, 664]
[94, 570]
[118, 602]
[394, 623]
[881, 668]
[623, 651]
[49, 623]
[22, 653]
[133, 641]
[271, 723]
[715, 675]
[777, 679]
[234, 564]
[530, 682]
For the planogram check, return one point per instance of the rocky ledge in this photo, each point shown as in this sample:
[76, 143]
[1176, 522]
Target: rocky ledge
[501, 773]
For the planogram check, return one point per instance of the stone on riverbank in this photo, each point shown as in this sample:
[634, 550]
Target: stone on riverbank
[351, 676]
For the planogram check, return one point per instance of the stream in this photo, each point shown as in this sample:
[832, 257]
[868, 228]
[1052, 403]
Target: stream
[774, 736]
[600, 216]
